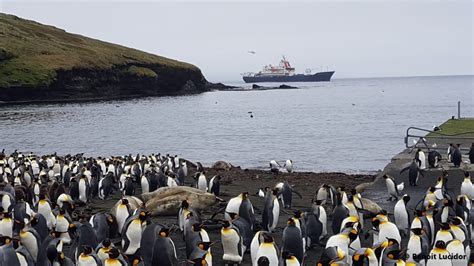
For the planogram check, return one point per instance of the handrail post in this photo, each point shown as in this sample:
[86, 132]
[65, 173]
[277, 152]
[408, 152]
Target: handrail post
[459, 109]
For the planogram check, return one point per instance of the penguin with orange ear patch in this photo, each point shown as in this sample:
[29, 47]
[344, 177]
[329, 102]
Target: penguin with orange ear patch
[164, 250]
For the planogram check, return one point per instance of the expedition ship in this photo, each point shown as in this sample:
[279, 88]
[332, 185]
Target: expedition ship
[284, 72]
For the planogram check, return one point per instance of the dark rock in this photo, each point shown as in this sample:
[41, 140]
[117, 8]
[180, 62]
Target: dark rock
[219, 86]
[284, 86]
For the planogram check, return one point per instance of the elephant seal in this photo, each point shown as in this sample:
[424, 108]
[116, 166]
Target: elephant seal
[167, 200]
[222, 165]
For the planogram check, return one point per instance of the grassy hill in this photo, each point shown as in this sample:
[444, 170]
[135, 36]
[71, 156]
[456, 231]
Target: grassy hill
[41, 63]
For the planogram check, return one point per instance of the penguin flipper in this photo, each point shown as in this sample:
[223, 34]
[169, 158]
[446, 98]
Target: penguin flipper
[404, 169]
[296, 192]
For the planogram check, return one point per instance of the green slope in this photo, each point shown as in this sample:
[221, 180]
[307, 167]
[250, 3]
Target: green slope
[32, 55]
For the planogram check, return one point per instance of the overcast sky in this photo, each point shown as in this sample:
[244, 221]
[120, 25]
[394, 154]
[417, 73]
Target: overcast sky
[354, 38]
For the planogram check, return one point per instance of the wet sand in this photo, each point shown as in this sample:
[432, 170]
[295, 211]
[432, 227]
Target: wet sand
[236, 181]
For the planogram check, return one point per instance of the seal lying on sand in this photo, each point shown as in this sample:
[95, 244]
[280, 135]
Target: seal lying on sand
[167, 200]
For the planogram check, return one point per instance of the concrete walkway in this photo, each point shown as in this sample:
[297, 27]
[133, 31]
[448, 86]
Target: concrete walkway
[378, 191]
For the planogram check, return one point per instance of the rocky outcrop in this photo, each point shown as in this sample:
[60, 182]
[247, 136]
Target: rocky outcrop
[41, 63]
[102, 84]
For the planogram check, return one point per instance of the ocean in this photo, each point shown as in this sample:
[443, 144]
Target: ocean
[346, 125]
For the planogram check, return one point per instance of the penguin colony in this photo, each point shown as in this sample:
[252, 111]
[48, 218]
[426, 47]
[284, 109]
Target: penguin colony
[43, 221]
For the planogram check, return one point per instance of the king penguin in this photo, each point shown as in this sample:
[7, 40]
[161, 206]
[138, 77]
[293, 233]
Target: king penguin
[164, 250]
[466, 187]
[438, 255]
[394, 190]
[242, 206]
[84, 189]
[267, 250]
[456, 156]
[293, 241]
[414, 172]
[201, 181]
[418, 246]
[214, 185]
[339, 213]
[122, 213]
[132, 232]
[402, 218]
[231, 243]
[364, 256]
[271, 210]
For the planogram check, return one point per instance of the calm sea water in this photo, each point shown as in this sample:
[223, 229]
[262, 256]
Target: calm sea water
[349, 125]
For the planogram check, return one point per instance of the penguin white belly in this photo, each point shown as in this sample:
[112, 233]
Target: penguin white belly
[204, 236]
[211, 184]
[111, 169]
[443, 235]
[268, 250]
[416, 223]
[145, 184]
[339, 241]
[389, 230]
[438, 259]
[21, 259]
[322, 195]
[6, 202]
[352, 209]
[122, 215]
[467, 189]
[101, 189]
[102, 255]
[422, 157]
[390, 187]
[275, 213]
[254, 246]
[232, 207]
[231, 242]
[323, 219]
[45, 210]
[6, 227]
[413, 247]
[122, 182]
[27, 179]
[401, 215]
[202, 183]
[208, 258]
[82, 190]
[134, 236]
[456, 248]
[292, 262]
[86, 261]
[458, 233]
[62, 225]
[35, 169]
[445, 215]
[185, 170]
[28, 240]
[171, 182]
[181, 217]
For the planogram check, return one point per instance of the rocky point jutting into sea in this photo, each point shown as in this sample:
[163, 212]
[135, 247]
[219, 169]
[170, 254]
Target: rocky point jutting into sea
[41, 63]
